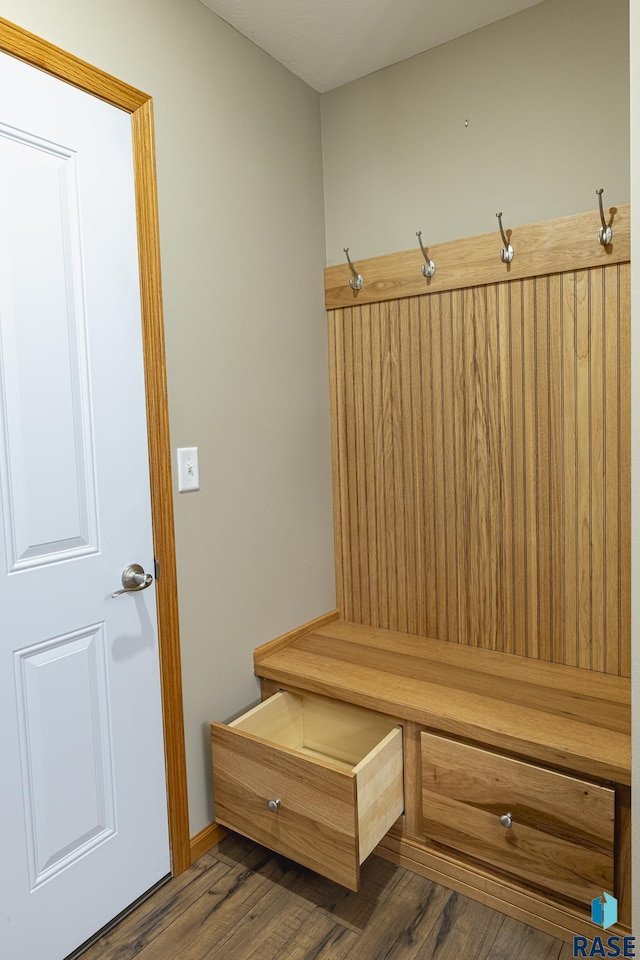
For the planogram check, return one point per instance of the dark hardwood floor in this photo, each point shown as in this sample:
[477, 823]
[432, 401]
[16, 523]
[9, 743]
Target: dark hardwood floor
[242, 902]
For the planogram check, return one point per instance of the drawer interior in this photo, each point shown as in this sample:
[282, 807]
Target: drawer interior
[338, 733]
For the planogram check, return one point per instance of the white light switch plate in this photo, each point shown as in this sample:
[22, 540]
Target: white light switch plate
[188, 472]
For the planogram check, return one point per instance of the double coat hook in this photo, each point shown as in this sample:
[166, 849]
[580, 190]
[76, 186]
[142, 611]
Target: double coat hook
[429, 267]
[506, 254]
[356, 281]
[605, 233]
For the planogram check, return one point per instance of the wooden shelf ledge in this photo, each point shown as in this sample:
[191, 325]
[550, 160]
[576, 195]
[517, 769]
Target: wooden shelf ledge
[574, 719]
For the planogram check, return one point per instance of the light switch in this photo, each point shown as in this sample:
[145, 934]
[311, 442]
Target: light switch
[188, 472]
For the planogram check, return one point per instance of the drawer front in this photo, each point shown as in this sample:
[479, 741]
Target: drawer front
[315, 823]
[562, 832]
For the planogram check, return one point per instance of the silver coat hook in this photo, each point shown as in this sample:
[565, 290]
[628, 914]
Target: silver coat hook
[605, 233]
[356, 281]
[506, 254]
[428, 268]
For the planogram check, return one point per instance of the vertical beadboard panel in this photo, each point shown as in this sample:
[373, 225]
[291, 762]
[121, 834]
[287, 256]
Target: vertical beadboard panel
[533, 547]
[360, 479]
[457, 416]
[336, 385]
[481, 466]
[368, 487]
[446, 442]
[417, 408]
[388, 315]
[583, 470]
[556, 457]
[622, 310]
[351, 320]
[398, 481]
[506, 467]
[517, 455]
[596, 439]
[494, 512]
[542, 455]
[570, 479]
[380, 418]
[437, 471]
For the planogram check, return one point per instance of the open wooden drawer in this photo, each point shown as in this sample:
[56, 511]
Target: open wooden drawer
[316, 780]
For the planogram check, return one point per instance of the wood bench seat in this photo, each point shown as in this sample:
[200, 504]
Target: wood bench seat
[566, 717]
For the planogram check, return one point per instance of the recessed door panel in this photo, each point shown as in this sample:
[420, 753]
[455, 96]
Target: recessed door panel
[48, 481]
[66, 752]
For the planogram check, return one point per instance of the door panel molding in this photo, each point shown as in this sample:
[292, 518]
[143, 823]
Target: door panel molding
[50, 742]
[39, 53]
[51, 512]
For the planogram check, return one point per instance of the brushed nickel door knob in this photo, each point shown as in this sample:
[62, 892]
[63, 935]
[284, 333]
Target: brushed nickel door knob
[506, 820]
[134, 579]
[273, 805]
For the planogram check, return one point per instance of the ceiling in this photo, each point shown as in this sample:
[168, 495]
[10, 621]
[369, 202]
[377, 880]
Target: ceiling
[330, 42]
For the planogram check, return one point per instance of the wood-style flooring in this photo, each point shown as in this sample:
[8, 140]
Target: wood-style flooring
[242, 902]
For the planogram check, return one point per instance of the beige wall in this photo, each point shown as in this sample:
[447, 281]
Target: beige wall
[242, 233]
[546, 94]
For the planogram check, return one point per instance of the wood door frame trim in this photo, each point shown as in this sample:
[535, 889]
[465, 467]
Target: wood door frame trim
[39, 53]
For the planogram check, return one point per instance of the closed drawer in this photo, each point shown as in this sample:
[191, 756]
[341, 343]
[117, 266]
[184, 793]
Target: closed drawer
[335, 769]
[562, 833]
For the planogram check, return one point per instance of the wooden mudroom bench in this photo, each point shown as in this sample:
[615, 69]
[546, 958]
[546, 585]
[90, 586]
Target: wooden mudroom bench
[565, 717]
[515, 772]
[481, 492]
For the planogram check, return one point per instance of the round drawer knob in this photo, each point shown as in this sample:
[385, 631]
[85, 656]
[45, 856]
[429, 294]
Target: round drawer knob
[506, 820]
[273, 805]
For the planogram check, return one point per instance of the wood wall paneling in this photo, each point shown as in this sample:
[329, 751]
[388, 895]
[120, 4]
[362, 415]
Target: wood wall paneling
[481, 465]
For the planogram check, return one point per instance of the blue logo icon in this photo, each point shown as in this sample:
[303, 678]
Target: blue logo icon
[604, 912]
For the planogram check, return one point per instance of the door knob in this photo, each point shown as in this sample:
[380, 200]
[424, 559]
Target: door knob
[134, 579]
[273, 805]
[506, 820]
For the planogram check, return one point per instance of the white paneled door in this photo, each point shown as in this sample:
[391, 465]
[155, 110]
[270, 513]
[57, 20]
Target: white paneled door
[83, 816]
